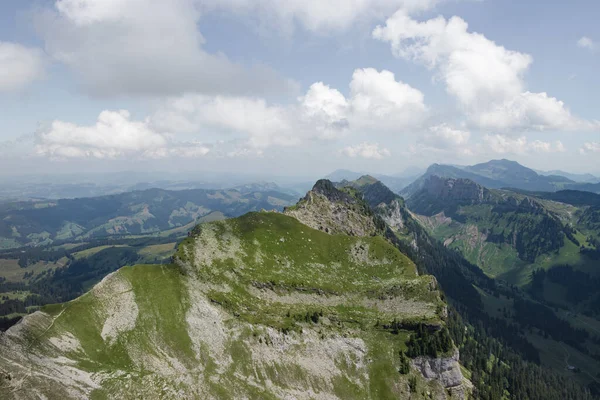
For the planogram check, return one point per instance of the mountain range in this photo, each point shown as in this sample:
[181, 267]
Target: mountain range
[266, 305]
[394, 182]
[497, 174]
[144, 212]
[345, 294]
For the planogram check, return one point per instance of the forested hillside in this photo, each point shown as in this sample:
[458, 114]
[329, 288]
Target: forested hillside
[133, 213]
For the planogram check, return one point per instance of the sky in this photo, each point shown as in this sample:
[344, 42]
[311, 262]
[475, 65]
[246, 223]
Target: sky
[297, 88]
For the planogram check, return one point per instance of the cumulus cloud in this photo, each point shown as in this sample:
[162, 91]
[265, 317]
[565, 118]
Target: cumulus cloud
[366, 150]
[486, 78]
[586, 43]
[376, 101]
[144, 47]
[501, 144]
[114, 135]
[326, 109]
[318, 15]
[532, 111]
[19, 65]
[261, 123]
[590, 147]
[444, 136]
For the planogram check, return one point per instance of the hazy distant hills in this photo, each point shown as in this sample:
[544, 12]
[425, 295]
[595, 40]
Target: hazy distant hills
[131, 213]
[394, 182]
[496, 174]
[580, 178]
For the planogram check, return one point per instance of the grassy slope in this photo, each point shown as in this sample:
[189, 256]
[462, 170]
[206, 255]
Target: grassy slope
[502, 260]
[299, 271]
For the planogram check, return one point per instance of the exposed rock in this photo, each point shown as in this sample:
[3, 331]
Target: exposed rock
[333, 211]
[392, 214]
[456, 189]
[446, 371]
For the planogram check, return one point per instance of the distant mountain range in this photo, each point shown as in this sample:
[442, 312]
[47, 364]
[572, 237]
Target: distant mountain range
[394, 182]
[497, 174]
[149, 211]
[581, 178]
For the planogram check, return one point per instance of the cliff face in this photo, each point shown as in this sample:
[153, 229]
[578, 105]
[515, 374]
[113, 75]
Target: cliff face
[446, 371]
[456, 190]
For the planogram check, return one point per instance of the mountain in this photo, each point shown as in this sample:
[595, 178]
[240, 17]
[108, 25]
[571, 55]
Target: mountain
[509, 233]
[134, 213]
[259, 306]
[258, 187]
[580, 178]
[477, 299]
[296, 305]
[396, 183]
[497, 174]
[447, 171]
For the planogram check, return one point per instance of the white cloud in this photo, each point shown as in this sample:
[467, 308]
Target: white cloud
[263, 124]
[366, 150]
[501, 144]
[376, 101]
[19, 65]
[318, 15]
[144, 47]
[485, 78]
[326, 109]
[444, 137]
[586, 43]
[532, 111]
[590, 147]
[114, 135]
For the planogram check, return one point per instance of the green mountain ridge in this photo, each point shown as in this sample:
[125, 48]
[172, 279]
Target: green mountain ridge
[260, 306]
[335, 298]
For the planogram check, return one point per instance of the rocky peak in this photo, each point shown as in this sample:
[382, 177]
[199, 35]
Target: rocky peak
[334, 211]
[456, 189]
[381, 199]
[327, 189]
[530, 205]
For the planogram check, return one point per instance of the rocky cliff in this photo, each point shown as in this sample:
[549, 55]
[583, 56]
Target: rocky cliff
[446, 371]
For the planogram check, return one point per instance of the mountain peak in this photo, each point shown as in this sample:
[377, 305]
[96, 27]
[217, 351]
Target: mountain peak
[327, 189]
[455, 189]
[366, 180]
[334, 211]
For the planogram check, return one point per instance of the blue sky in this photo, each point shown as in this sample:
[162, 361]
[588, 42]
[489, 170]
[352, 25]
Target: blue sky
[297, 87]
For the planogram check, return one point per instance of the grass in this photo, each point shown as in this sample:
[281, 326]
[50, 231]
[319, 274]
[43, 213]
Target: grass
[158, 321]
[494, 306]
[278, 252]
[90, 252]
[261, 271]
[16, 295]
[559, 355]
[12, 271]
[157, 251]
